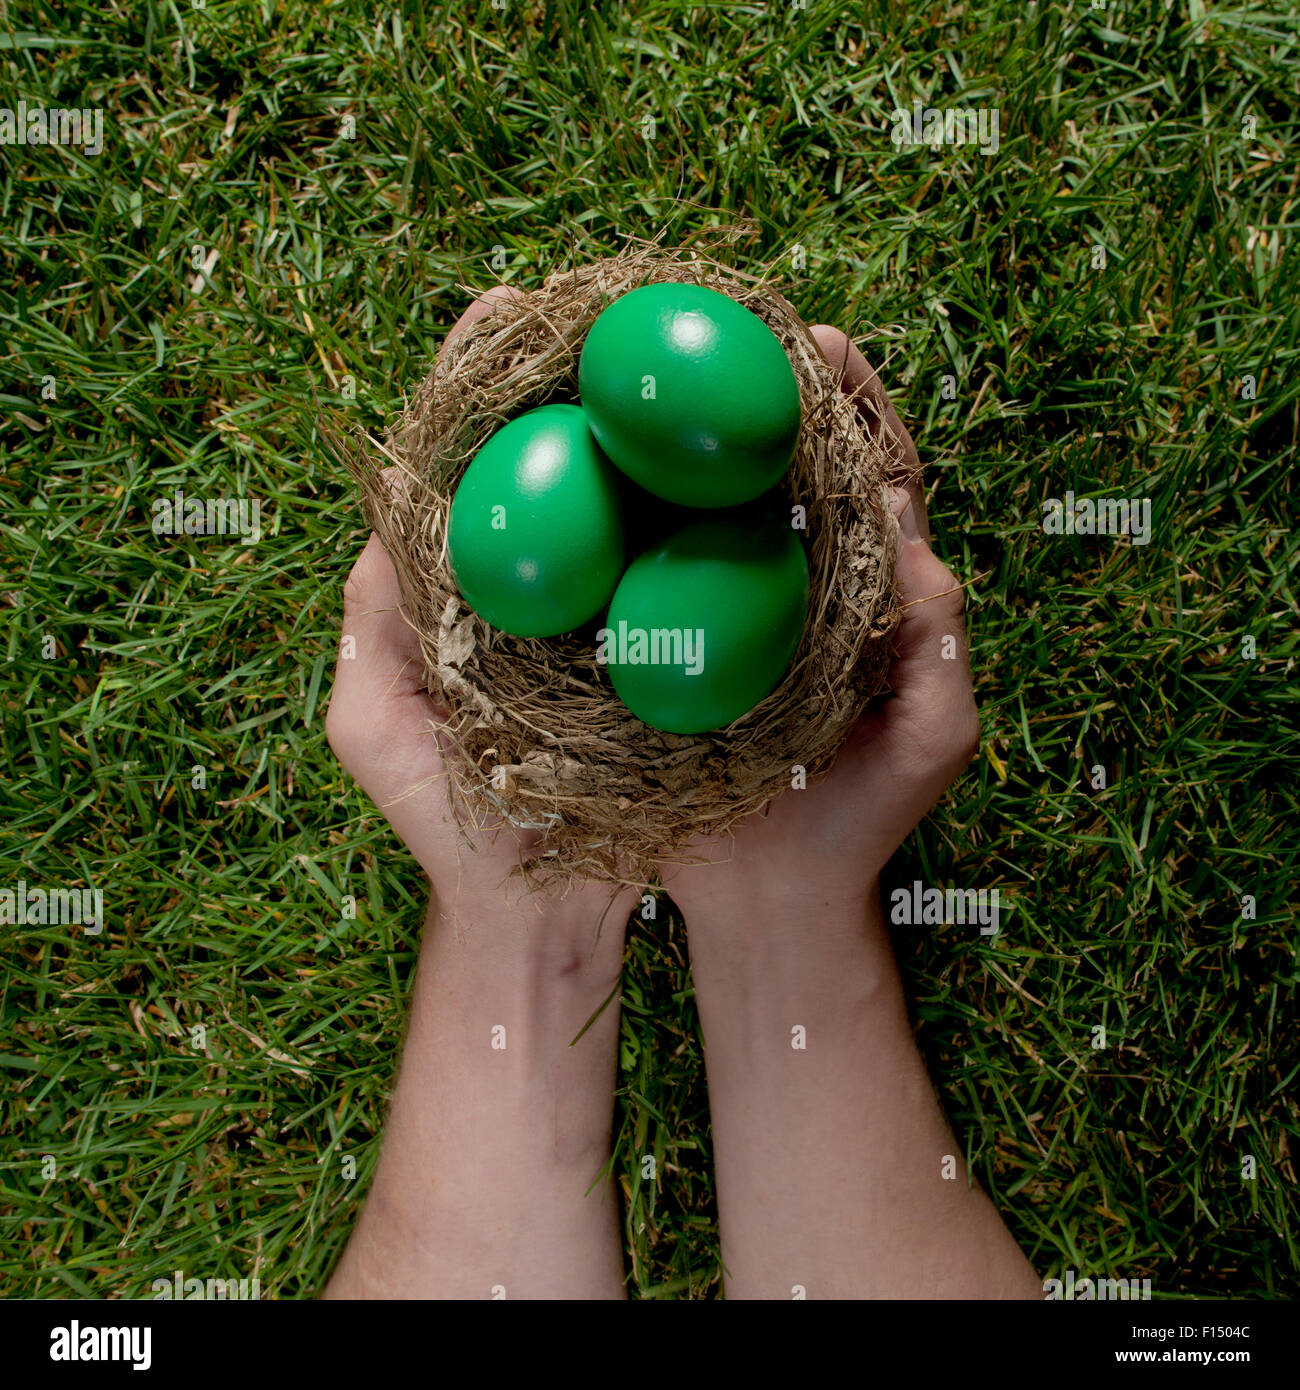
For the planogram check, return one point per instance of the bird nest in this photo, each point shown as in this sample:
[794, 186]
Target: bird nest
[534, 733]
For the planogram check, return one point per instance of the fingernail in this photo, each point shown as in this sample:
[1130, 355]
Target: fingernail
[900, 503]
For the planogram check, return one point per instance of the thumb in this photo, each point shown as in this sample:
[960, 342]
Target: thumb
[384, 651]
[379, 699]
[931, 677]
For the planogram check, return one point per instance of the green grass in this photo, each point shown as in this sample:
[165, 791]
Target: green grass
[129, 661]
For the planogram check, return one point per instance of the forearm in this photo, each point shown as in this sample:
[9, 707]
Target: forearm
[498, 1126]
[830, 1146]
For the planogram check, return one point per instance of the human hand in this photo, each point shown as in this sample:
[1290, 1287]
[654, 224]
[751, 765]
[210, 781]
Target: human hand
[487, 1172]
[833, 838]
[387, 731]
[827, 1135]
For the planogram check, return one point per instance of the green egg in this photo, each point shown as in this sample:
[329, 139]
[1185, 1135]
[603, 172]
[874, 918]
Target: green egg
[705, 624]
[690, 394]
[536, 529]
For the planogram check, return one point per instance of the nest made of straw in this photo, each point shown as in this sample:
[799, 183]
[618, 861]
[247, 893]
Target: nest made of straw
[535, 732]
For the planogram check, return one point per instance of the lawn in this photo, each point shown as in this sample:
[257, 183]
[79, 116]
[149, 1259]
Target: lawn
[289, 209]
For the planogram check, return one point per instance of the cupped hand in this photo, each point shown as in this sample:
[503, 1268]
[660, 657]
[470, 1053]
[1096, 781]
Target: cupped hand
[389, 734]
[831, 839]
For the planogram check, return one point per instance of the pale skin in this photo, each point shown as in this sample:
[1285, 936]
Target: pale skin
[831, 1158]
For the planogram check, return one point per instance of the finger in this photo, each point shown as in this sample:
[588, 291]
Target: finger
[372, 611]
[931, 672]
[860, 380]
[378, 681]
[480, 308]
[374, 617]
[883, 422]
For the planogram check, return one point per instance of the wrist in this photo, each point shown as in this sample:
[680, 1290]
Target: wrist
[718, 898]
[827, 972]
[769, 942]
[517, 939]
